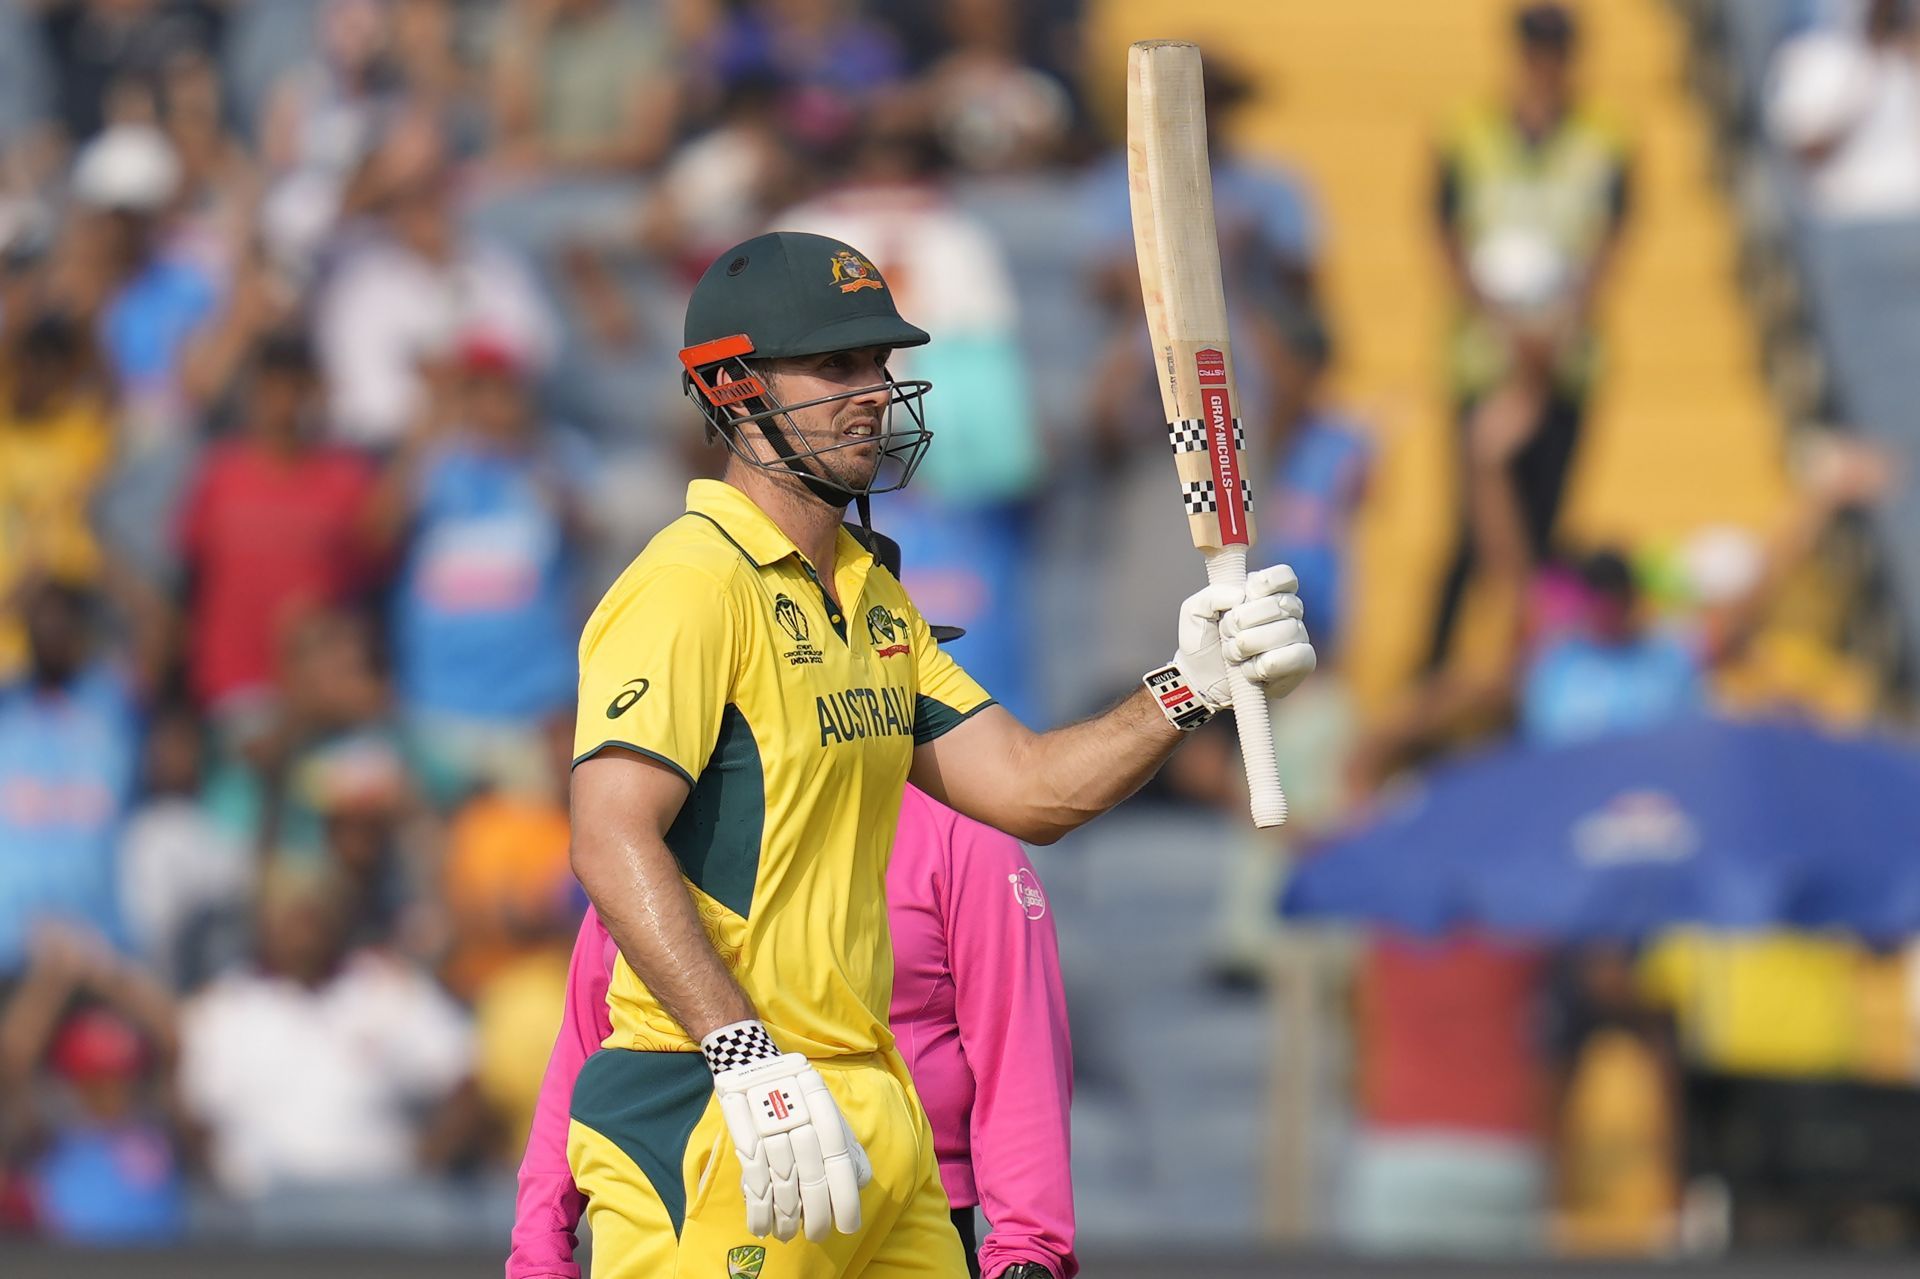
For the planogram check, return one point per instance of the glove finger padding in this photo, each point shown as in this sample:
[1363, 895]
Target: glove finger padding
[1279, 671]
[756, 1182]
[844, 1161]
[786, 1185]
[816, 1200]
[1266, 638]
[1259, 612]
[1275, 579]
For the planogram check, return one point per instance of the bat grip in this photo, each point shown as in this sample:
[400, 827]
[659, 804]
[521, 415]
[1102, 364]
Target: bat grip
[1251, 714]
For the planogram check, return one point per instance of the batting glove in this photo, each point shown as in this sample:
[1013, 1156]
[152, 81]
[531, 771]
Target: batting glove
[801, 1167]
[1259, 632]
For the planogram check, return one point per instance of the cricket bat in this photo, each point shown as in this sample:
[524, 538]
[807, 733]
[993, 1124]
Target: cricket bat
[1174, 237]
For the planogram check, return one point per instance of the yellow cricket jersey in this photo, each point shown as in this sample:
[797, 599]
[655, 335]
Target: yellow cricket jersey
[719, 654]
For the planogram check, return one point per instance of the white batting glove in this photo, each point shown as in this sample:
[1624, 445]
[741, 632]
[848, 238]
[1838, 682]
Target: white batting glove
[1261, 634]
[801, 1167]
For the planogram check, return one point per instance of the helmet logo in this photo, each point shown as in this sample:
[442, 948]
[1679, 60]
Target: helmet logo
[853, 272]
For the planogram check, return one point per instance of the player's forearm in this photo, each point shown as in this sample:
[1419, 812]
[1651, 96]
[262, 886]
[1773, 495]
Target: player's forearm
[635, 884]
[1072, 775]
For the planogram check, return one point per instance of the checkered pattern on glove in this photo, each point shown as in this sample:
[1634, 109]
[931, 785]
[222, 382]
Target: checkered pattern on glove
[740, 1043]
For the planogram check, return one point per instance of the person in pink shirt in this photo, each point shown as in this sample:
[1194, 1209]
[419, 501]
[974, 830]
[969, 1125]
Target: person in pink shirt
[978, 1013]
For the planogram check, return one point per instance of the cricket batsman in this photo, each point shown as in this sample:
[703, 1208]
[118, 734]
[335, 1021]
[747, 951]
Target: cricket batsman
[755, 692]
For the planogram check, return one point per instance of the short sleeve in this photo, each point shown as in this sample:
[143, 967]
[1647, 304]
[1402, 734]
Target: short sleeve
[947, 694]
[657, 662]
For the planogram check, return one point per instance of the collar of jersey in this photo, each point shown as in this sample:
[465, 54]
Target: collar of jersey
[761, 541]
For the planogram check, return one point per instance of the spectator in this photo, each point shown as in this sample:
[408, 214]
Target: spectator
[326, 111]
[56, 444]
[182, 879]
[400, 300]
[217, 180]
[993, 111]
[1845, 101]
[324, 743]
[966, 541]
[1269, 229]
[839, 65]
[360, 812]
[484, 614]
[1450, 1155]
[582, 86]
[106, 57]
[1322, 462]
[1589, 659]
[310, 1069]
[1616, 1112]
[508, 883]
[68, 743]
[721, 186]
[105, 1170]
[1531, 197]
[150, 297]
[273, 526]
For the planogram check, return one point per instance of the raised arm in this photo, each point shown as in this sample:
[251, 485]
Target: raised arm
[623, 803]
[1040, 786]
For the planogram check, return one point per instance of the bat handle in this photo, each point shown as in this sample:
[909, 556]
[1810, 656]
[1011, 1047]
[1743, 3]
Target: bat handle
[1251, 713]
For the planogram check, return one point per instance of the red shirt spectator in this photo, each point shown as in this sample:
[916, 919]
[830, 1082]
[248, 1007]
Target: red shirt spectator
[273, 526]
[1448, 1035]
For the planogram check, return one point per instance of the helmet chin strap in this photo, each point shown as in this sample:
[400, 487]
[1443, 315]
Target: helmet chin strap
[826, 490]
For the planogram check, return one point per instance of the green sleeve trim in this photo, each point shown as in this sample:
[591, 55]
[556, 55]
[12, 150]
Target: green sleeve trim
[934, 719]
[655, 756]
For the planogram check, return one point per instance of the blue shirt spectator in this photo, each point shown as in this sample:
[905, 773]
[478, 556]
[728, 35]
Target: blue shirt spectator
[67, 763]
[145, 326]
[484, 621]
[1581, 687]
[1312, 501]
[111, 1185]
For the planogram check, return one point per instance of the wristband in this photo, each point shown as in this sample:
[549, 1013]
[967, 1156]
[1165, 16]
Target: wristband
[737, 1044]
[1178, 702]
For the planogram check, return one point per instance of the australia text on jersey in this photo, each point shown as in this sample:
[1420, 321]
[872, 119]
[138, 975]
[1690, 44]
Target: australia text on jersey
[857, 713]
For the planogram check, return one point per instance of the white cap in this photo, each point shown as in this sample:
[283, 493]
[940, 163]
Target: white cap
[129, 166]
[1721, 562]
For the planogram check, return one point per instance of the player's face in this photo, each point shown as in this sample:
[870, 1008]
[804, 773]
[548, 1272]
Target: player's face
[849, 424]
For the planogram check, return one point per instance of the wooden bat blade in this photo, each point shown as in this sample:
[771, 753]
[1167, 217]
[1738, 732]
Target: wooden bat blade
[1170, 187]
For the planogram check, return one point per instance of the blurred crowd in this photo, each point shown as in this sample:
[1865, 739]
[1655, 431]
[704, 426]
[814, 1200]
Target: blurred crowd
[337, 378]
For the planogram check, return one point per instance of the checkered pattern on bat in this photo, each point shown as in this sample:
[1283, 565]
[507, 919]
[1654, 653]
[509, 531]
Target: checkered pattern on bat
[1189, 435]
[1200, 498]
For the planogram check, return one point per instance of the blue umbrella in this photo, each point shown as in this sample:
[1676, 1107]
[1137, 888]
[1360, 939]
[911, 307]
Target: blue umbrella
[1730, 825]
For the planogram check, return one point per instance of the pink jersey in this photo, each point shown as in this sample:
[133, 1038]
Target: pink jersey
[981, 1020]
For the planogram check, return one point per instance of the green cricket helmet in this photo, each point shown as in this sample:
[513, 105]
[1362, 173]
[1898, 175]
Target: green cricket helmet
[788, 294]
